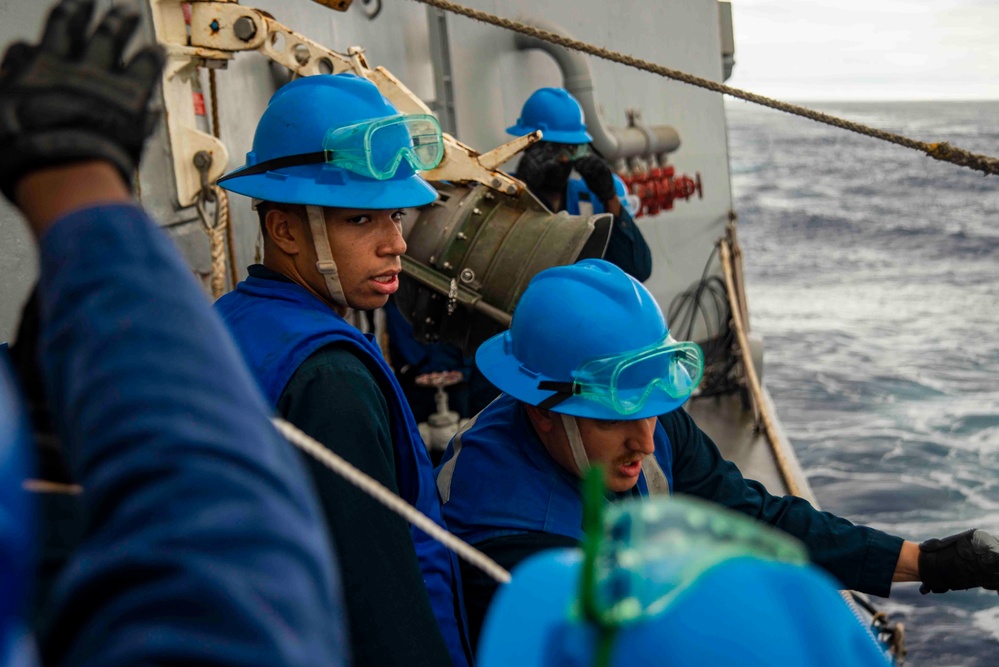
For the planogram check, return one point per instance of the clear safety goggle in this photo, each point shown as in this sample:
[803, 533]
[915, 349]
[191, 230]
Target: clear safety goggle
[376, 148]
[641, 555]
[570, 152]
[372, 148]
[652, 552]
[625, 382]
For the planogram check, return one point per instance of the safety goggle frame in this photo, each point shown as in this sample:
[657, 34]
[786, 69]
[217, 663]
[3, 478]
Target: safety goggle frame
[376, 148]
[625, 382]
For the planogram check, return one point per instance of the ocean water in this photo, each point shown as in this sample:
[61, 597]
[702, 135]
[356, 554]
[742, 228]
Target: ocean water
[873, 276]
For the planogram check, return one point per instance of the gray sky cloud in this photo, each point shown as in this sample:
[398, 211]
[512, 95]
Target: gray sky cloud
[867, 49]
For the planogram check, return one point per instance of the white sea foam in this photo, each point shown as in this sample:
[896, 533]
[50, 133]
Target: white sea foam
[871, 276]
[987, 621]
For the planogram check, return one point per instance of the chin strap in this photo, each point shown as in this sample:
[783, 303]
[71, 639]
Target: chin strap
[575, 443]
[326, 266]
[655, 478]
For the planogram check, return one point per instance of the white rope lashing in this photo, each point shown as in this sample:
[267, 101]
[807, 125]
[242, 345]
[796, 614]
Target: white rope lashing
[390, 500]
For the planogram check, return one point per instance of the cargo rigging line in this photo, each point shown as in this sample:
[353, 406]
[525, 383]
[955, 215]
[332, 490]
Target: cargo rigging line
[386, 497]
[942, 151]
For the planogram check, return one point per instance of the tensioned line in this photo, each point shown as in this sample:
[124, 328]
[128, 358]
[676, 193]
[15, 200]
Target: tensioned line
[383, 495]
[940, 151]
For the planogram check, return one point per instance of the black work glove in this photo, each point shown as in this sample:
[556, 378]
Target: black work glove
[541, 171]
[959, 562]
[597, 175]
[71, 98]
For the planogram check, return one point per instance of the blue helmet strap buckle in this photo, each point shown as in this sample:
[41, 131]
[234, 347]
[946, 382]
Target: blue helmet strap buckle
[563, 391]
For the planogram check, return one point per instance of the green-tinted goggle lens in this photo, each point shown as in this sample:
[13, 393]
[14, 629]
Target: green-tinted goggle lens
[376, 148]
[626, 382]
[576, 151]
[654, 549]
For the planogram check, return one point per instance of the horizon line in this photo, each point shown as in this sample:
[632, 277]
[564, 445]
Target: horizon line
[858, 100]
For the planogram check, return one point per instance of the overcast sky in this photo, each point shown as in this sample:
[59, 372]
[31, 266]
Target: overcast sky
[867, 49]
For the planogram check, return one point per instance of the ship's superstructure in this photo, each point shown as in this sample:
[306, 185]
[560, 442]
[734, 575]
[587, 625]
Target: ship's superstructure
[475, 78]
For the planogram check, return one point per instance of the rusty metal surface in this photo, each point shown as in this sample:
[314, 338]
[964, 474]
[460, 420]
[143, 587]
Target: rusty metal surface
[219, 29]
[490, 244]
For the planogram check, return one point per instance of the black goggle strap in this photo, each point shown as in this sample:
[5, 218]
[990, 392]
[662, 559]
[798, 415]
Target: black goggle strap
[563, 391]
[279, 163]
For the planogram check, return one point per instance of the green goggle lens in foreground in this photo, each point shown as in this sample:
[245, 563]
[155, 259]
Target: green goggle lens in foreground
[376, 148]
[641, 555]
[653, 550]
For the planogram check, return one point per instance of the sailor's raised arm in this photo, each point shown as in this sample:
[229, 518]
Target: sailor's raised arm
[202, 544]
[46, 195]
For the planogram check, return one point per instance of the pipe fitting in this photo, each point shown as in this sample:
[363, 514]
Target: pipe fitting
[611, 142]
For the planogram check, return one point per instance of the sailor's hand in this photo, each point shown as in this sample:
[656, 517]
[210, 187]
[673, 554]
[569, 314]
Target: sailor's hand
[959, 562]
[597, 175]
[71, 98]
[540, 169]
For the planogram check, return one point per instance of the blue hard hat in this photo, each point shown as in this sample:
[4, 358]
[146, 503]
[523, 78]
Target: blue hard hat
[296, 120]
[567, 316]
[744, 611]
[556, 113]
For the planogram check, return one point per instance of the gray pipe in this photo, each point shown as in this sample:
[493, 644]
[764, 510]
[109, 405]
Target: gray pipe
[612, 142]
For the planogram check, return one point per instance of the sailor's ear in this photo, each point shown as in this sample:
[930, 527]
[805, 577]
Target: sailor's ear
[542, 419]
[286, 229]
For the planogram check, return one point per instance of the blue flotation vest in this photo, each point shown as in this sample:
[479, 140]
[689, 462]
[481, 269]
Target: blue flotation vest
[577, 193]
[278, 325]
[497, 478]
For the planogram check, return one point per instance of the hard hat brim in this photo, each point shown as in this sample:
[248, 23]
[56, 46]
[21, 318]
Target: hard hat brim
[552, 135]
[320, 185]
[530, 612]
[507, 373]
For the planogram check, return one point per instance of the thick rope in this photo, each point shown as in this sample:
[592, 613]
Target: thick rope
[217, 242]
[939, 151]
[230, 234]
[383, 495]
[214, 227]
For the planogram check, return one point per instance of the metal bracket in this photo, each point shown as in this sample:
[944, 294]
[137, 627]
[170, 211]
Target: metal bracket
[501, 154]
[219, 28]
[454, 292]
[177, 82]
[462, 163]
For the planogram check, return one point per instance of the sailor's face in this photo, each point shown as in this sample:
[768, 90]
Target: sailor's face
[367, 246]
[619, 446]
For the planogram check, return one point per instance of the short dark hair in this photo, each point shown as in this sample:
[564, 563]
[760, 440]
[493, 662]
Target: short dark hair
[264, 207]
